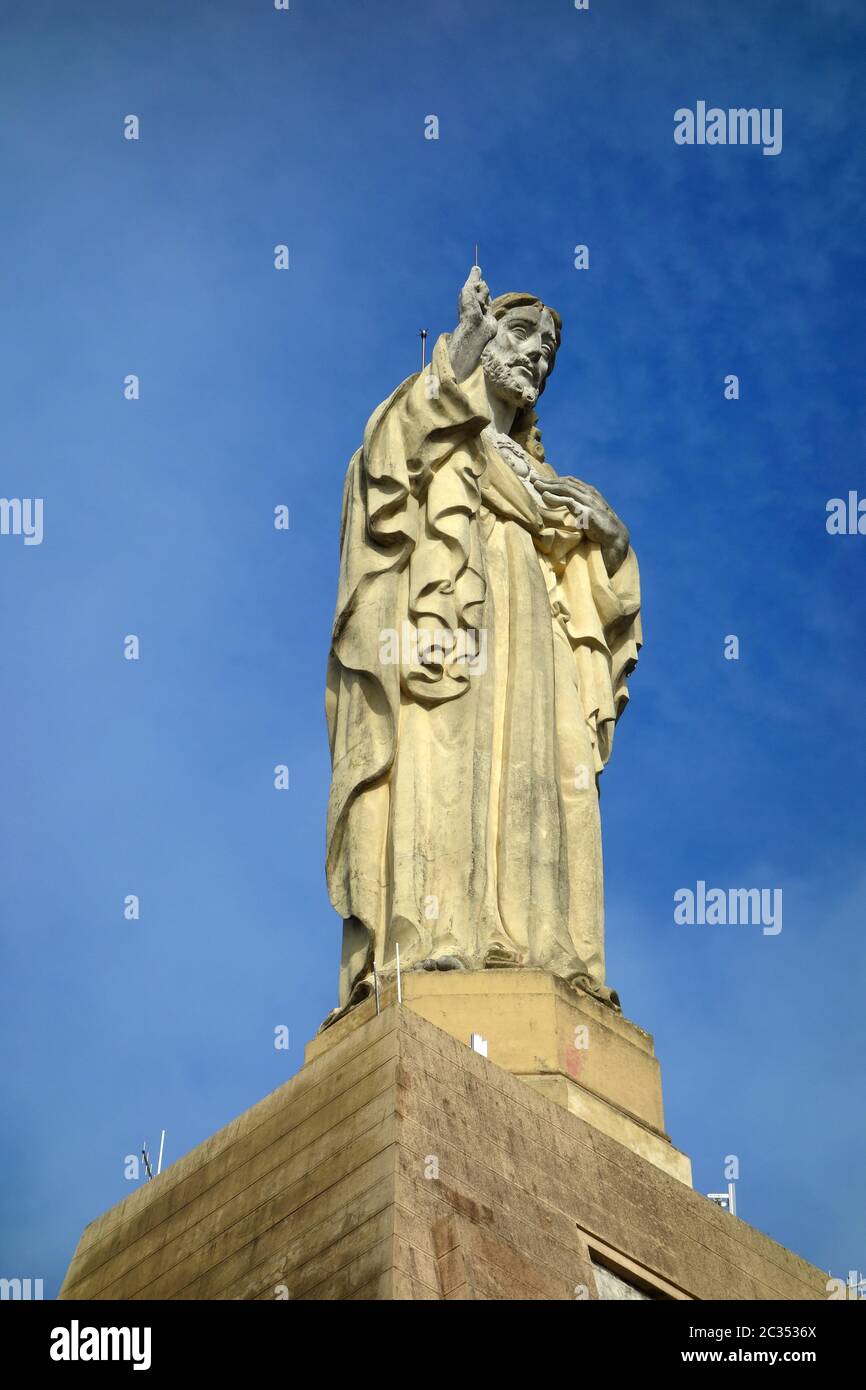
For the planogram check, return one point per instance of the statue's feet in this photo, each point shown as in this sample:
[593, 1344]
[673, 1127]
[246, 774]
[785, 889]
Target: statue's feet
[602, 993]
[501, 957]
[440, 963]
[361, 991]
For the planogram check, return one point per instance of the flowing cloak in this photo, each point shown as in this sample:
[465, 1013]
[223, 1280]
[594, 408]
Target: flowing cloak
[463, 813]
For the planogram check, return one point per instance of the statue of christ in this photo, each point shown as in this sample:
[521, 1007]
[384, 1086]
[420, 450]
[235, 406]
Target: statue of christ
[487, 622]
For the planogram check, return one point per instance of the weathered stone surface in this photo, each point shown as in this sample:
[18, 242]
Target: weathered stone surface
[487, 625]
[398, 1164]
[574, 1050]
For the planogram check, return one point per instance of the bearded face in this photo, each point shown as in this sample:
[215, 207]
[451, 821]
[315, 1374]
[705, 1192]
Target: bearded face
[520, 357]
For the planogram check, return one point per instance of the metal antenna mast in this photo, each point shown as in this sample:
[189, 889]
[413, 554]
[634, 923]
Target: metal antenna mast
[146, 1158]
[726, 1200]
[147, 1168]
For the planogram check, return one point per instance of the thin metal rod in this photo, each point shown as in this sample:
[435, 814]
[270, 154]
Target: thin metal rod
[423, 336]
[376, 983]
[399, 979]
[159, 1160]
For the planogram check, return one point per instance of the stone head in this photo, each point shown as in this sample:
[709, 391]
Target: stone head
[520, 358]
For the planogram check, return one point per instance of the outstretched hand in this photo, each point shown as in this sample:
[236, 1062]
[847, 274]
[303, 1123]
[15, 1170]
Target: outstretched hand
[473, 305]
[475, 327]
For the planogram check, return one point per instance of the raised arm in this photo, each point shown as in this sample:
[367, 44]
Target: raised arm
[475, 327]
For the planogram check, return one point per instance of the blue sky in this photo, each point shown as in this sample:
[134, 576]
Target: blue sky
[155, 777]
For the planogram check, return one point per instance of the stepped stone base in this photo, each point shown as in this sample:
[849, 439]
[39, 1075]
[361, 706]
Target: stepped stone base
[572, 1049]
[400, 1164]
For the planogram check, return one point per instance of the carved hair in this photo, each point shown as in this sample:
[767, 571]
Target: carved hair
[525, 428]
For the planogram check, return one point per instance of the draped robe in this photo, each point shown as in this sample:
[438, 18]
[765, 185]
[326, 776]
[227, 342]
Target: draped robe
[463, 813]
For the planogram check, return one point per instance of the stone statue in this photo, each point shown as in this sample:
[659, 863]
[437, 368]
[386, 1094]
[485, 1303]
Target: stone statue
[487, 621]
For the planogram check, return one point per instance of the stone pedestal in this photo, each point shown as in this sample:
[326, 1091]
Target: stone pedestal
[399, 1164]
[573, 1050]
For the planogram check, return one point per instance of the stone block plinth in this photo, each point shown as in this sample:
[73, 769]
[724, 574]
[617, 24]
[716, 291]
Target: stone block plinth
[401, 1165]
[573, 1050]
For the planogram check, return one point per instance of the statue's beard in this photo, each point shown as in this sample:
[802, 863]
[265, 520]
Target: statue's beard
[501, 375]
